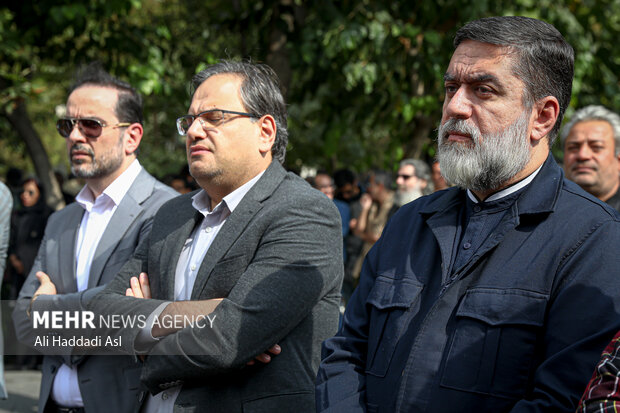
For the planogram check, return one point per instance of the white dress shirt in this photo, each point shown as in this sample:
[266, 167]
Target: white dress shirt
[192, 254]
[97, 215]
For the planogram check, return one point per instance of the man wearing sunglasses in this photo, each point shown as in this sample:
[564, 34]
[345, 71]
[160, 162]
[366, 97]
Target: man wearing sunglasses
[257, 250]
[86, 243]
[412, 181]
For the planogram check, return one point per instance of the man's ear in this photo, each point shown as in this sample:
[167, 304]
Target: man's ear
[132, 137]
[544, 115]
[267, 133]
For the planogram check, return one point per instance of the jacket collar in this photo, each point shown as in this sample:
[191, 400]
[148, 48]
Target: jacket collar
[271, 179]
[539, 197]
[236, 224]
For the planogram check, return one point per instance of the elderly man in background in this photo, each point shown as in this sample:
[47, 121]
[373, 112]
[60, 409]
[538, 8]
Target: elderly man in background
[591, 142]
[412, 181]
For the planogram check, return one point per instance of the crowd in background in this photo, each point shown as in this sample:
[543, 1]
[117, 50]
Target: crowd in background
[368, 200]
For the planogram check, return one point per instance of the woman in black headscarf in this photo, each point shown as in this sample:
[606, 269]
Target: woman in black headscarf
[27, 227]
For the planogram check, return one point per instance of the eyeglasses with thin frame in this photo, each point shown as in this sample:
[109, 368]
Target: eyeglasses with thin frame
[90, 128]
[209, 117]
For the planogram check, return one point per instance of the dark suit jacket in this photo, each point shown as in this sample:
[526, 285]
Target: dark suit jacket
[107, 383]
[277, 260]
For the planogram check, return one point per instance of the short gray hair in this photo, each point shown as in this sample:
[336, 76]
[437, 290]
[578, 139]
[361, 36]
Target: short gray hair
[420, 168]
[422, 171]
[382, 177]
[594, 112]
[260, 95]
[544, 59]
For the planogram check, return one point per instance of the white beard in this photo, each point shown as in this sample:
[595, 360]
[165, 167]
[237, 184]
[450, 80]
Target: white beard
[403, 197]
[494, 158]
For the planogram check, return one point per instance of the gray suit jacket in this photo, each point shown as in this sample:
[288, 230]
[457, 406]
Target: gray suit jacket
[107, 383]
[6, 206]
[277, 260]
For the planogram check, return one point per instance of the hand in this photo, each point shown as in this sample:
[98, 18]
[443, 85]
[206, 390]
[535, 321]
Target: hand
[47, 287]
[139, 288]
[365, 202]
[264, 357]
[16, 263]
[352, 224]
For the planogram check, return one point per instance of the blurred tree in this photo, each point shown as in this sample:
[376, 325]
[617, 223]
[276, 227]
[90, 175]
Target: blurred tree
[363, 78]
[45, 42]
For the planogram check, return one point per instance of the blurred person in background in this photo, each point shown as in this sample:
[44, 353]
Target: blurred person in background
[324, 183]
[591, 142]
[61, 178]
[347, 188]
[412, 181]
[14, 179]
[178, 183]
[27, 228]
[439, 182]
[349, 191]
[376, 206]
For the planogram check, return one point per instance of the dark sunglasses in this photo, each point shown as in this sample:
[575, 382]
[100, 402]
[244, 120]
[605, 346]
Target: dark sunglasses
[405, 177]
[90, 128]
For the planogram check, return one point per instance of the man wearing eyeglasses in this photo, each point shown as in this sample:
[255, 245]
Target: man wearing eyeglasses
[257, 250]
[86, 243]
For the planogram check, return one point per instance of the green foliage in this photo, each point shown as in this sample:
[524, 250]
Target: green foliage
[363, 79]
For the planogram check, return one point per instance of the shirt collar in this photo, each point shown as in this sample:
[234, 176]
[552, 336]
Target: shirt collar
[202, 202]
[115, 191]
[507, 191]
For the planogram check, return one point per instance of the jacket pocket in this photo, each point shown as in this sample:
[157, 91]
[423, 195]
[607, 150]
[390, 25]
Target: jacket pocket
[391, 303]
[494, 342]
